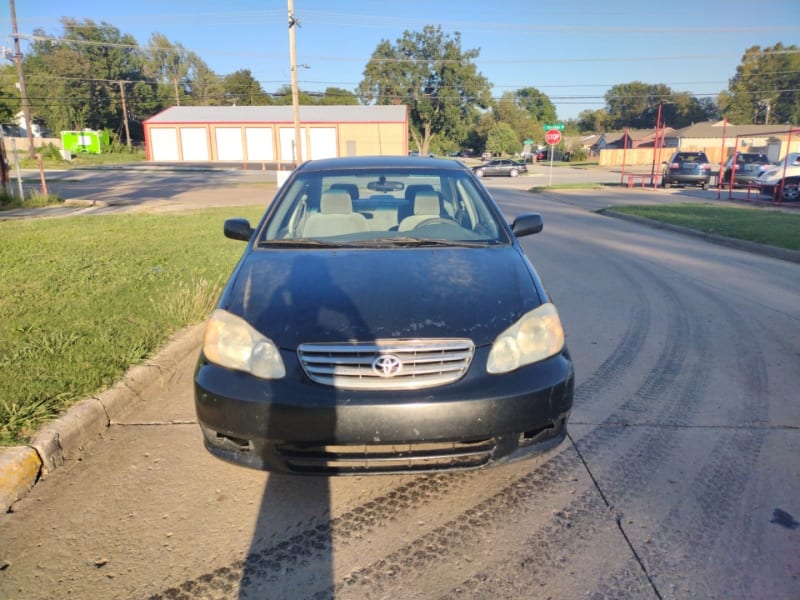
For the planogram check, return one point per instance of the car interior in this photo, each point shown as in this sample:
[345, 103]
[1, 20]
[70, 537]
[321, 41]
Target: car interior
[361, 207]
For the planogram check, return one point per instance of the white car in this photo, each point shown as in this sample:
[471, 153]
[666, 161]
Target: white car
[782, 178]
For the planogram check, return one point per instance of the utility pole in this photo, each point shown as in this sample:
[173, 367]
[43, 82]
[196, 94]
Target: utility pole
[125, 113]
[26, 107]
[298, 148]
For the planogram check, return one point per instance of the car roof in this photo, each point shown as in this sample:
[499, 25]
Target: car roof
[379, 162]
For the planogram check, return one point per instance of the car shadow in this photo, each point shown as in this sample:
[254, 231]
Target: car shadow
[291, 552]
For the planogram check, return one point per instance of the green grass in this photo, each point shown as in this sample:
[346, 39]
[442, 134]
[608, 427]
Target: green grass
[85, 298]
[771, 227]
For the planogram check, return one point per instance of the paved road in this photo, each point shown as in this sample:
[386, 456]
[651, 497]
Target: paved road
[679, 479]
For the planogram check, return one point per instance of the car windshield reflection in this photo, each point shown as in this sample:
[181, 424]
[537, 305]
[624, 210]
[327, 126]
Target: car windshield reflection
[383, 208]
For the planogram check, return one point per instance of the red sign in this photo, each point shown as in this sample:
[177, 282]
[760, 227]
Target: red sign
[552, 137]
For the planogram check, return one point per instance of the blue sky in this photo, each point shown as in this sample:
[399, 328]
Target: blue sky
[571, 50]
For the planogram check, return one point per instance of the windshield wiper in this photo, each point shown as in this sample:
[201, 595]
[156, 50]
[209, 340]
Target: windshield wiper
[302, 243]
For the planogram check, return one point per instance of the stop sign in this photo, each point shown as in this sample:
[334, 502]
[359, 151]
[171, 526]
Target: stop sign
[552, 137]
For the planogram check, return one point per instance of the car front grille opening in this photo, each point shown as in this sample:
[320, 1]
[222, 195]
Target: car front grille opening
[534, 436]
[387, 458]
[230, 443]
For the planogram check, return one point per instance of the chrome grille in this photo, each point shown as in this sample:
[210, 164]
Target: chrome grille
[387, 364]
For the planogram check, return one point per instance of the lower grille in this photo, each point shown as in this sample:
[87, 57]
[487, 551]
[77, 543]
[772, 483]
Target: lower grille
[386, 458]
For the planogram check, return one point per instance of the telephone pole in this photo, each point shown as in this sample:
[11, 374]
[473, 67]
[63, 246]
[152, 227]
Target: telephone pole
[26, 107]
[298, 148]
[125, 113]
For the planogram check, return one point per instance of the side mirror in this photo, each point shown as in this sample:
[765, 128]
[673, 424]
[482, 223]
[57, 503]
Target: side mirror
[527, 224]
[238, 229]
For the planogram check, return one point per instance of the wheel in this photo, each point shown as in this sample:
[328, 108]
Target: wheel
[513, 173]
[479, 172]
[704, 185]
[791, 191]
[666, 182]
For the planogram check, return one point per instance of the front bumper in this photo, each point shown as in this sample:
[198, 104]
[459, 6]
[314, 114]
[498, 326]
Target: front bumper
[294, 425]
[684, 178]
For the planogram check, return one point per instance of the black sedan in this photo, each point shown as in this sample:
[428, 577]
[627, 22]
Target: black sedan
[500, 167]
[383, 318]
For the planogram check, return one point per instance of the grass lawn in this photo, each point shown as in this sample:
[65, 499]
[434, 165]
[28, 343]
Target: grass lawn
[84, 298]
[771, 227]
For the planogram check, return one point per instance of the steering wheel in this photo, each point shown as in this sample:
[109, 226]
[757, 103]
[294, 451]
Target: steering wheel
[434, 221]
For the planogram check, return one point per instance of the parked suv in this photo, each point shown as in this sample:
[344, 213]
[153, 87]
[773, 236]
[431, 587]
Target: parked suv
[748, 166]
[687, 167]
[782, 178]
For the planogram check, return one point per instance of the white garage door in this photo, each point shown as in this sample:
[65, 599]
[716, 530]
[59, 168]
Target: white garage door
[259, 143]
[194, 143]
[163, 143]
[229, 143]
[323, 142]
[287, 143]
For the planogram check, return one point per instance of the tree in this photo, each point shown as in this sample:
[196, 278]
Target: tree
[592, 121]
[241, 88]
[73, 80]
[170, 64]
[206, 88]
[636, 105]
[502, 139]
[430, 73]
[335, 95]
[509, 110]
[764, 88]
[537, 104]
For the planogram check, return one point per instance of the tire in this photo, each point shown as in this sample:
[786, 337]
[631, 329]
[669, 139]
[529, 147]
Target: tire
[704, 185]
[666, 182]
[513, 173]
[479, 172]
[791, 191]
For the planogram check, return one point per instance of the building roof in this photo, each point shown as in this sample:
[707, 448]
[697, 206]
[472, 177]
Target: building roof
[715, 129]
[280, 114]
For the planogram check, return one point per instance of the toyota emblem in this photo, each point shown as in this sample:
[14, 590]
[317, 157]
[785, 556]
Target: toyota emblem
[387, 365]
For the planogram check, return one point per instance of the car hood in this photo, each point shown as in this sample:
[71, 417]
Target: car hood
[776, 173]
[301, 296]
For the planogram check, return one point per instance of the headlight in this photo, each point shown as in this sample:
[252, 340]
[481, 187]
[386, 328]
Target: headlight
[536, 336]
[232, 343]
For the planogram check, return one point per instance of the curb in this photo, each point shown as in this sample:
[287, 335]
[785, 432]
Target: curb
[21, 467]
[747, 246]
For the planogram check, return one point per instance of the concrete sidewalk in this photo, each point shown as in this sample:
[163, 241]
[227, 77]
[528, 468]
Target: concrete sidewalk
[86, 422]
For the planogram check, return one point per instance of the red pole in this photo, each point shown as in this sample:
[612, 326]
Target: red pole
[785, 164]
[722, 158]
[624, 151]
[658, 124]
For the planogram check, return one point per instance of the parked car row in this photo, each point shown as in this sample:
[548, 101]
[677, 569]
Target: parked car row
[777, 181]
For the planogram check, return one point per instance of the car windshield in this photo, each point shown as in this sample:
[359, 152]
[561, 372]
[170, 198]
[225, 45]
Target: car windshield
[398, 206]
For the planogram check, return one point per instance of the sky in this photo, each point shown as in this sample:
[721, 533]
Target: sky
[573, 51]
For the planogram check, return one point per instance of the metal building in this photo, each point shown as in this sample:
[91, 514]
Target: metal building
[266, 133]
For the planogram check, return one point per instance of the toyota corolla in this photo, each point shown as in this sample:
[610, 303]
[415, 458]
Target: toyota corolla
[383, 318]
